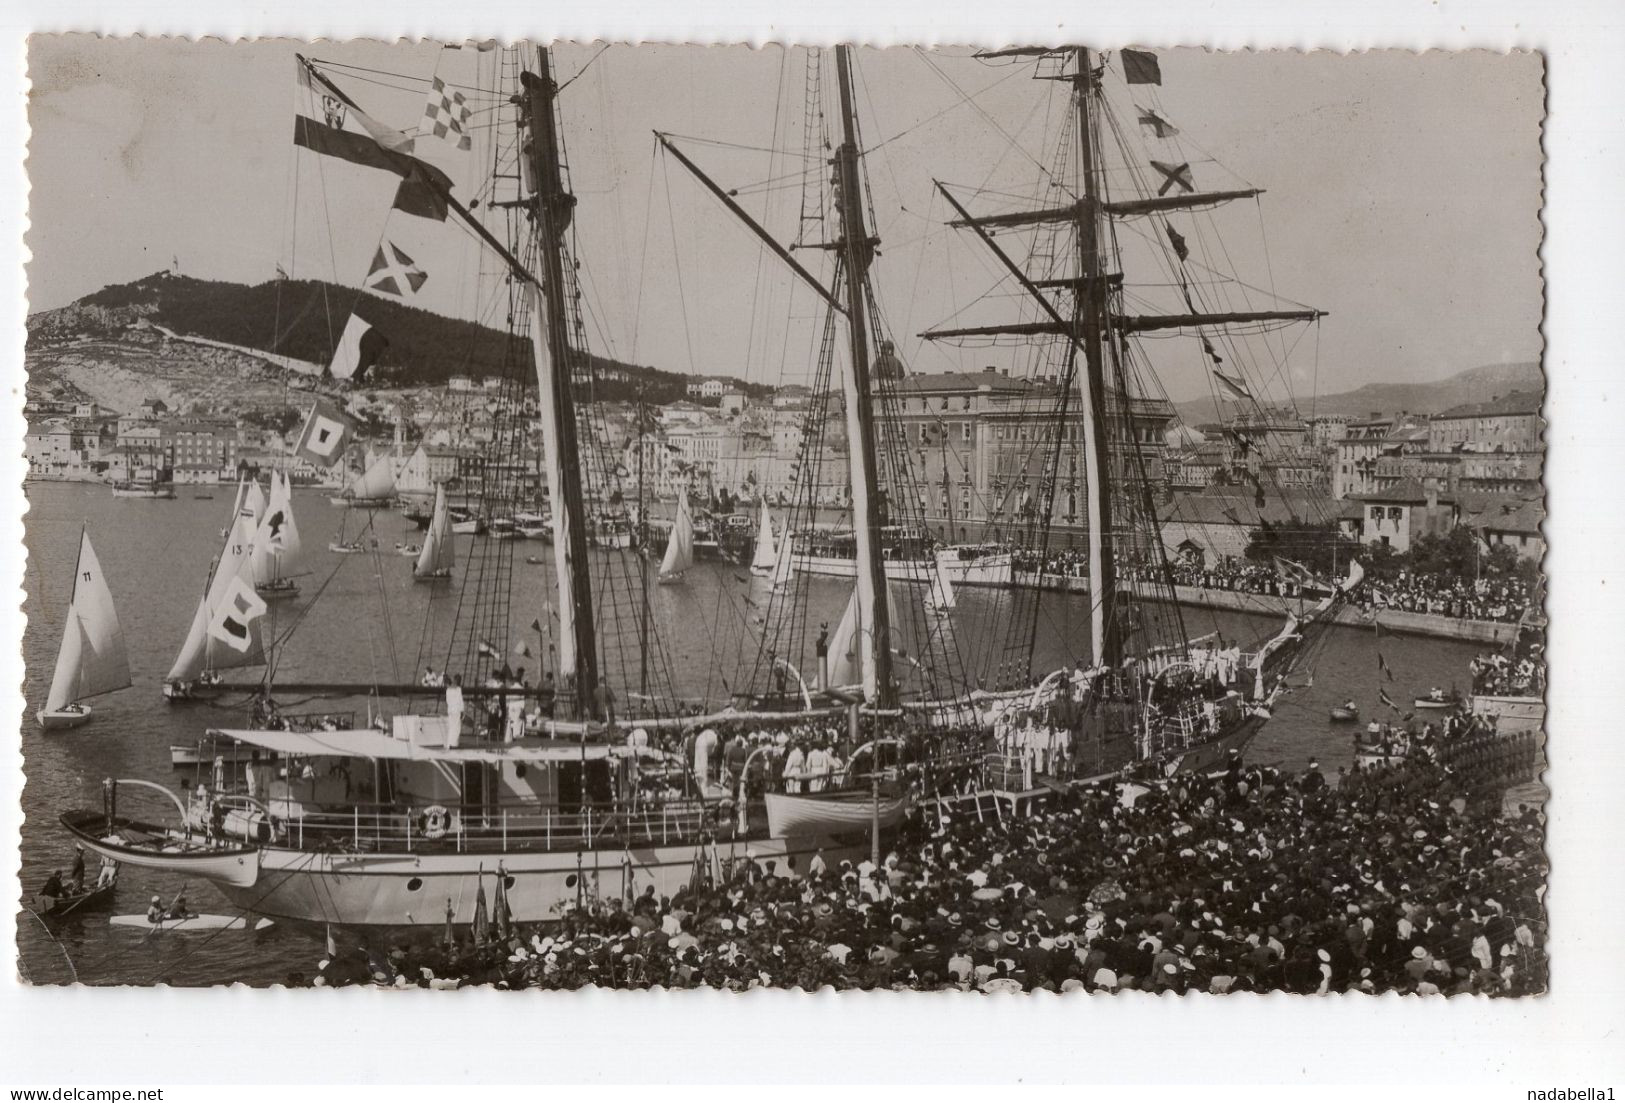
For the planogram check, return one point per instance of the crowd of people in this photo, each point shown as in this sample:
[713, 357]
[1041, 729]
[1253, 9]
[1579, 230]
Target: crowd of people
[1500, 598]
[1254, 879]
[1522, 674]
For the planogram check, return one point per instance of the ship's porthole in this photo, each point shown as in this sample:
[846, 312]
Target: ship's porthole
[414, 884]
[507, 881]
[519, 769]
[570, 881]
[790, 860]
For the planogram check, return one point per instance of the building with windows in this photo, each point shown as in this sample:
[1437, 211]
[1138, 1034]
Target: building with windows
[1506, 423]
[1404, 513]
[989, 455]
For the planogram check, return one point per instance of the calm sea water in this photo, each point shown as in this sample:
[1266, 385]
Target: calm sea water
[372, 622]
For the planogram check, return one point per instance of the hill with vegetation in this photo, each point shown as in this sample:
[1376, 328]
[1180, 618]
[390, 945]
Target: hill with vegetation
[301, 320]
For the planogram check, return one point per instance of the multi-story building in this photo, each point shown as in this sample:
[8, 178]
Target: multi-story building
[1506, 423]
[204, 449]
[1404, 513]
[989, 454]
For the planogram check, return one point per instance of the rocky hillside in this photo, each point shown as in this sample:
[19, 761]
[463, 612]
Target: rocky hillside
[297, 320]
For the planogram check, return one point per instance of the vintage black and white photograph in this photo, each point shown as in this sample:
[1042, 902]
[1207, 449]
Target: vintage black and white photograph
[990, 520]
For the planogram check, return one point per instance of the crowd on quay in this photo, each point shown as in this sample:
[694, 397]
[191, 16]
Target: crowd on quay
[1501, 598]
[1522, 674]
[1481, 758]
[1252, 880]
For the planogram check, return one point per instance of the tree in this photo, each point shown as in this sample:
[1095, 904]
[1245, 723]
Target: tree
[1318, 545]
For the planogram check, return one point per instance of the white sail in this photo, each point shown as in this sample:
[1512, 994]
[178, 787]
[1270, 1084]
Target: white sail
[253, 500]
[205, 648]
[275, 538]
[377, 481]
[92, 659]
[942, 588]
[439, 547]
[845, 667]
[680, 546]
[767, 556]
[784, 567]
[292, 549]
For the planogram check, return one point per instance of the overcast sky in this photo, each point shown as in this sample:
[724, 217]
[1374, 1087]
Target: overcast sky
[1403, 190]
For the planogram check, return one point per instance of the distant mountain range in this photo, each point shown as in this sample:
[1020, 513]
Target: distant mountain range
[300, 319]
[1471, 385]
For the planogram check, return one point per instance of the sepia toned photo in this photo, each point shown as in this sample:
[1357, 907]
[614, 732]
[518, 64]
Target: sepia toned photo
[983, 520]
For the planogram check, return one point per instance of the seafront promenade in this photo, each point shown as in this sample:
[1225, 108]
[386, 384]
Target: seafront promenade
[1240, 601]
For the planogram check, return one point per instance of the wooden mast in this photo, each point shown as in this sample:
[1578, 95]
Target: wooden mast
[857, 252]
[550, 337]
[1093, 326]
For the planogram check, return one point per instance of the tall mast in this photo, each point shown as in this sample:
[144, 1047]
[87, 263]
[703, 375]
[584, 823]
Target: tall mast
[550, 338]
[1093, 325]
[857, 252]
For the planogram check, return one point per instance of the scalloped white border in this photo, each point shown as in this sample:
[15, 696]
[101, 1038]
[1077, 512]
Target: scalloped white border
[1572, 1037]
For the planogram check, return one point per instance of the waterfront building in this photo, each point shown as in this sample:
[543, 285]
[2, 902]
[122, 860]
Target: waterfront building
[1402, 514]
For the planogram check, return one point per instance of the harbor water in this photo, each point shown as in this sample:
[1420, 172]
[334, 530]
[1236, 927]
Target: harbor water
[360, 618]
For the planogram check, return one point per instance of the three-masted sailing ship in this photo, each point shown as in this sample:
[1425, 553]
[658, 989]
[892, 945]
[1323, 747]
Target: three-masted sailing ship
[559, 789]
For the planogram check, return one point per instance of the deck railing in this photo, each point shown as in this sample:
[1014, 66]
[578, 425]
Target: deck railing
[476, 828]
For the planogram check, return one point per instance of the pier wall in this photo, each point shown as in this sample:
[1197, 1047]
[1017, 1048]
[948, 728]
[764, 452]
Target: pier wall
[1392, 620]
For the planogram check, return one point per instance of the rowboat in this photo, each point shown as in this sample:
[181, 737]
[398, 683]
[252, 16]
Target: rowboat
[1342, 714]
[192, 923]
[60, 907]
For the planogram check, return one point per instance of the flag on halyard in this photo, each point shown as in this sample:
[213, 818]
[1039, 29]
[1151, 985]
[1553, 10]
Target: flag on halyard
[359, 349]
[1155, 124]
[488, 650]
[1382, 665]
[1175, 176]
[329, 124]
[1141, 67]
[446, 115]
[326, 433]
[1177, 240]
[1387, 700]
[393, 272]
[1232, 387]
[1212, 353]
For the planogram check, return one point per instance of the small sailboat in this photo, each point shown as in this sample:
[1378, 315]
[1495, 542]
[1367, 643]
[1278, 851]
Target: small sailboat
[680, 545]
[276, 544]
[941, 598]
[92, 659]
[767, 555]
[439, 552]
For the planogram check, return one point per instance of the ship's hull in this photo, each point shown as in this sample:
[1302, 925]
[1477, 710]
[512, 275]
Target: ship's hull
[407, 889]
[1511, 713]
[143, 492]
[986, 571]
[63, 720]
[404, 889]
[1214, 755]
